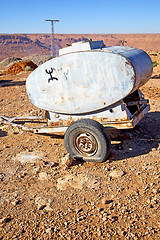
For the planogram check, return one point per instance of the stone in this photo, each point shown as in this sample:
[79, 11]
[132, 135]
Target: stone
[116, 173]
[49, 230]
[36, 170]
[44, 204]
[155, 191]
[67, 160]
[78, 181]
[29, 157]
[5, 220]
[104, 219]
[50, 164]
[43, 176]
[41, 202]
[106, 201]
[48, 207]
[2, 176]
[16, 202]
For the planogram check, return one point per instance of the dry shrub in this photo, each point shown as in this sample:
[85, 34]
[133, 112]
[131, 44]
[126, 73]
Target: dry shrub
[20, 66]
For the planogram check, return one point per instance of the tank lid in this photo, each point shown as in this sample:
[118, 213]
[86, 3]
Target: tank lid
[81, 46]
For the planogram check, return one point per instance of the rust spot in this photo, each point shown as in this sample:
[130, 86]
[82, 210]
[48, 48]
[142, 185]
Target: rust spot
[121, 123]
[62, 98]
[61, 122]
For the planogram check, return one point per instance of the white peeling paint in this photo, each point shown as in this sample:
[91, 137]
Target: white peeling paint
[86, 81]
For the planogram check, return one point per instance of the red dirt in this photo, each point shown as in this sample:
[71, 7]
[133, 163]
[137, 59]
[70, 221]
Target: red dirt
[20, 66]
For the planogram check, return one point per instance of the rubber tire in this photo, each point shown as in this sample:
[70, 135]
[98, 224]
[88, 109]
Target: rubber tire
[97, 131]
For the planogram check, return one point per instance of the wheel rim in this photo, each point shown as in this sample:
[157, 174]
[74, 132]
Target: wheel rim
[85, 144]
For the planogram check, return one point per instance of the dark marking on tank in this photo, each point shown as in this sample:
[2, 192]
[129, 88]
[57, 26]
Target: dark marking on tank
[50, 73]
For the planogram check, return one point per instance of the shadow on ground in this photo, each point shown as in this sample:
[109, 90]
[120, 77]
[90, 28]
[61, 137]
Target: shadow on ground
[133, 142]
[3, 133]
[10, 83]
[156, 77]
[140, 140]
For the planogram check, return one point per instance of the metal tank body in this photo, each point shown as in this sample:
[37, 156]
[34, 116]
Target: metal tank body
[88, 77]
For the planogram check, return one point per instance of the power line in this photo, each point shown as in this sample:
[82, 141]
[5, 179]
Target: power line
[53, 51]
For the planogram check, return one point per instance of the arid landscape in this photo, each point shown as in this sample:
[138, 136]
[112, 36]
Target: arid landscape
[22, 45]
[41, 197]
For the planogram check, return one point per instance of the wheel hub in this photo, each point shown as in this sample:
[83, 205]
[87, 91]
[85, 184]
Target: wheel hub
[86, 144]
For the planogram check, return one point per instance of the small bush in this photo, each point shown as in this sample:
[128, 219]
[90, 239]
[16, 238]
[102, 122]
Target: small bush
[155, 64]
[28, 68]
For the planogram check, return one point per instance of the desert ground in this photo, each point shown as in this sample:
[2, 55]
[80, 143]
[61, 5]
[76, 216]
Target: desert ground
[41, 197]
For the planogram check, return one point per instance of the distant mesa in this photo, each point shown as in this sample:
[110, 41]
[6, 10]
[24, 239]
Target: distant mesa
[23, 45]
[14, 39]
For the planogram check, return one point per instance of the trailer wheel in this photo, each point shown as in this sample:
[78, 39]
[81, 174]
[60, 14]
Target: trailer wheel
[87, 139]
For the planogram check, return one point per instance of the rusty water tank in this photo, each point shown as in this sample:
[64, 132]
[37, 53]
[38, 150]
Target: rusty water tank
[87, 77]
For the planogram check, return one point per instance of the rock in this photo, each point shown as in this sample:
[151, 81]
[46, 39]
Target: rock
[5, 220]
[48, 207]
[2, 176]
[9, 60]
[16, 130]
[50, 164]
[41, 202]
[78, 181]
[67, 160]
[107, 169]
[44, 204]
[104, 219]
[155, 191]
[49, 230]
[43, 176]
[37, 59]
[106, 201]
[16, 202]
[66, 224]
[29, 157]
[112, 218]
[78, 210]
[36, 170]
[116, 173]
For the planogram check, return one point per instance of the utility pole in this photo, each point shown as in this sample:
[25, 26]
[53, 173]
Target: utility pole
[53, 52]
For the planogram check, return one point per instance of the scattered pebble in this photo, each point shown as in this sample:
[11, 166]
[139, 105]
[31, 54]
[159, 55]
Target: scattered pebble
[67, 160]
[106, 201]
[43, 176]
[116, 173]
[5, 220]
[41, 202]
[50, 164]
[16, 202]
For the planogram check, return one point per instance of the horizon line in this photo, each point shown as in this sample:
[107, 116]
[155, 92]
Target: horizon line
[81, 33]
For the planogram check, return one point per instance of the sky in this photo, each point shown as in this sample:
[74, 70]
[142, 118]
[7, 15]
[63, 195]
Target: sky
[80, 16]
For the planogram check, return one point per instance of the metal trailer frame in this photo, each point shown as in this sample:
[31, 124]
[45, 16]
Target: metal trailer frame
[129, 121]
